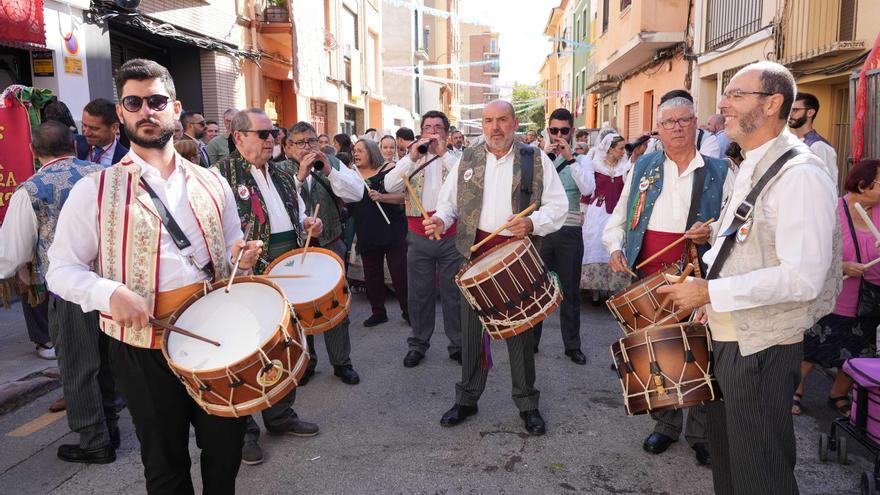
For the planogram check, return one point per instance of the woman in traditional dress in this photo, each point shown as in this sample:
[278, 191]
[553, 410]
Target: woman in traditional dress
[611, 167]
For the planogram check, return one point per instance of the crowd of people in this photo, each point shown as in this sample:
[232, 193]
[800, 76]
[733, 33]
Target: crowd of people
[769, 270]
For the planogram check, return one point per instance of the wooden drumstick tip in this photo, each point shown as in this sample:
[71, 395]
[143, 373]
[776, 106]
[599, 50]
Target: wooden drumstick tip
[309, 236]
[247, 233]
[497, 231]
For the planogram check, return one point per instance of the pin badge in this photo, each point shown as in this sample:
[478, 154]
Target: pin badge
[243, 192]
[643, 184]
[468, 174]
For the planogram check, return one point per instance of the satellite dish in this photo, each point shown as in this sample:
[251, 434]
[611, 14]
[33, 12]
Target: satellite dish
[127, 4]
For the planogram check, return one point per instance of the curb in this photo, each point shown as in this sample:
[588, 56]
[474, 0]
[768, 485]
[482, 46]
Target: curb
[24, 390]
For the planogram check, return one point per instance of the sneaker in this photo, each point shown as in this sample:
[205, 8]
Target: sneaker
[46, 351]
[251, 453]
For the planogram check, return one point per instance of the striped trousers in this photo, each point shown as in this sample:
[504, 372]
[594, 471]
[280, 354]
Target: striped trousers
[521, 352]
[751, 433]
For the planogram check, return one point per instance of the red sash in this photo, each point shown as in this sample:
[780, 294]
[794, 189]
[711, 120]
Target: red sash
[653, 242]
[482, 234]
[416, 227]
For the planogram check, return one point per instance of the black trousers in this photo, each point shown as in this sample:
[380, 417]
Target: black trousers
[162, 413]
[563, 252]
[36, 319]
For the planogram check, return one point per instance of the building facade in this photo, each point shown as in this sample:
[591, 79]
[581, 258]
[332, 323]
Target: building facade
[479, 45]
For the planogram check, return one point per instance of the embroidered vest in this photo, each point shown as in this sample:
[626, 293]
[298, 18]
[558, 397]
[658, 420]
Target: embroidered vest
[48, 190]
[251, 205]
[331, 205]
[572, 192]
[650, 168]
[470, 192]
[128, 251]
[418, 182]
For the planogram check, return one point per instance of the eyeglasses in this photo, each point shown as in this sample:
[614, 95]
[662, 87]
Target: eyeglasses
[683, 122]
[738, 94]
[558, 130]
[793, 110]
[263, 134]
[305, 143]
[133, 103]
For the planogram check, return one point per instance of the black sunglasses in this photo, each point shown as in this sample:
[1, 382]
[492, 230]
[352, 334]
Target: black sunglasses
[157, 103]
[557, 130]
[264, 133]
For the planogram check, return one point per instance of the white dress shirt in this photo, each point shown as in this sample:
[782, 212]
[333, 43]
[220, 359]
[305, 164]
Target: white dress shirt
[106, 156]
[346, 183]
[804, 227]
[433, 175]
[18, 234]
[828, 155]
[671, 208]
[279, 220]
[497, 207]
[75, 247]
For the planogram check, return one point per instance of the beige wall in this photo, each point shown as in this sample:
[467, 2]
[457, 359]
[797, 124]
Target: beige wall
[397, 50]
[657, 81]
[650, 16]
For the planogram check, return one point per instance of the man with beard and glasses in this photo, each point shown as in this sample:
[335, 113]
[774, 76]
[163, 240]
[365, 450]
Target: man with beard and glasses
[194, 125]
[774, 270]
[144, 269]
[803, 114]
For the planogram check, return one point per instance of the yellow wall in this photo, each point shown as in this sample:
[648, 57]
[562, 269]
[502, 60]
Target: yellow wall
[668, 76]
[650, 16]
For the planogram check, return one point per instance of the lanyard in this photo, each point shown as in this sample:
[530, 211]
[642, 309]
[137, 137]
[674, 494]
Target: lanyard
[96, 158]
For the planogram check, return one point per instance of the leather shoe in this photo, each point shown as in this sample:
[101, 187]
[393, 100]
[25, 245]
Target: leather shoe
[295, 426]
[58, 405]
[533, 421]
[347, 374]
[374, 320]
[456, 356]
[701, 450]
[74, 453]
[457, 414]
[412, 359]
[251, 453]
[657, 443]
[577, 357]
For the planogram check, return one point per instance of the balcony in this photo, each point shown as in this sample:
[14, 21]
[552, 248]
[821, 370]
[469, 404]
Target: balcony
[819, 28]
[492, 69]
[731, 20]
[272, 16]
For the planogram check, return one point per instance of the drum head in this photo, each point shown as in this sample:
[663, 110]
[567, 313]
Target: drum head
[241, 320]
[483, 263]
[323, 271]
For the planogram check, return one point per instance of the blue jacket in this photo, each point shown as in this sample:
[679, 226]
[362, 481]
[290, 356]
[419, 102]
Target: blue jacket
[82, 149]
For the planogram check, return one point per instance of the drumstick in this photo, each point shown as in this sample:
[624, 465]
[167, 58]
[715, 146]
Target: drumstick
[684, 275]
[247, 232]
[374, 201]
[309, 237]
[418, 203]
[670, 246]
[867, 219]
[172, 328]
[868, 265]
[521, 214]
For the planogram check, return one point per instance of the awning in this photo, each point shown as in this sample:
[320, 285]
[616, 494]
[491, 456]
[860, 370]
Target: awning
[21, 23]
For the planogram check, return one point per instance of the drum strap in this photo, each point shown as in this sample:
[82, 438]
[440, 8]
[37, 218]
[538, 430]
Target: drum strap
[744, 210]
[527, 176]
[696, 198]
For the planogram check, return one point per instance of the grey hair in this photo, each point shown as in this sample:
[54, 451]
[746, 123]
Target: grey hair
[242, 120]
[229, 113]
[677, 102]
[775, 79]
[302, 127]
[376, 158]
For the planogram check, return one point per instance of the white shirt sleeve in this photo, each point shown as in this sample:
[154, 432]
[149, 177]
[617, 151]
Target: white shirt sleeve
[75, 248]
[615, 229]
[583, 173]
[346, 183]
[232, 229]
[18, 234]
[828, 156]
[447, 203]
[394, 178]
[710, 147]
[805, 204]
[550, 215]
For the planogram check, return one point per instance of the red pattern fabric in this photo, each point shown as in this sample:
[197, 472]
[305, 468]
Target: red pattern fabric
[16, 161]
[416, 227]
[653, 242]
[22, 21]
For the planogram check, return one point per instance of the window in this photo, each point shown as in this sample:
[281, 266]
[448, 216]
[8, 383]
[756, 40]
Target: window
[586, 23]
[372, 66]
[349, 29]
[493, 45]
[633, 124]
[624, 4]
[605, 7]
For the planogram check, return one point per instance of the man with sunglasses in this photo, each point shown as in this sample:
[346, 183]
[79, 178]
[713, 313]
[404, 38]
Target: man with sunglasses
[563, 250]
[426, 257]
[671, 193]
[155, 227]
[267, 199]
[323, 180]
[194, 125]
[803, 113]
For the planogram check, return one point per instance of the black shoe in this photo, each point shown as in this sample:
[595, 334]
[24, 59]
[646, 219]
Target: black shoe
[456, 356]
[657, 443]
[533, 422]
[73, 453]
[412, 359]
[115, 437]
[701, 450]
[405, 316]
[577, 357]
[374, 320]
[347, 374]
[310, 372]
[457, 414]
[251, 453]
[295, 426]
[536, 348]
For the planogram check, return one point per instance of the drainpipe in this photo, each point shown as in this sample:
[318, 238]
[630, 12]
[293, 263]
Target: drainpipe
[255, 73]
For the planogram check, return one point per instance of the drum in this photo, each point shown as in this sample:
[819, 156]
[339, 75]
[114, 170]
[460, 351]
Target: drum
[666, 367]
[262, 353]
[509, 288]
[638, 306]
[321, 298]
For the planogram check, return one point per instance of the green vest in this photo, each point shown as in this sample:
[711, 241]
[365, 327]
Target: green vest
[470, 191]
[320, 194]
[237, 172]
[572, 192]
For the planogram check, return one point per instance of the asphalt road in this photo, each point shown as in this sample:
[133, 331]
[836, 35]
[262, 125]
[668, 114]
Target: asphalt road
[383, 436]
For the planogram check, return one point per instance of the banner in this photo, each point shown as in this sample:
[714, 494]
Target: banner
[22, 21]
[16, 162]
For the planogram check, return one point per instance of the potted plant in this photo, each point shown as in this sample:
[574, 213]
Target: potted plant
[276, 11]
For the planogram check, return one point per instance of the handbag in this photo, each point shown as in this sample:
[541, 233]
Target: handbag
[869, 294]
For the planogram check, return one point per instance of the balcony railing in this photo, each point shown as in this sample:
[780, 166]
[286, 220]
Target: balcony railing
[273, 11]
[814, 28]
[730, 20]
